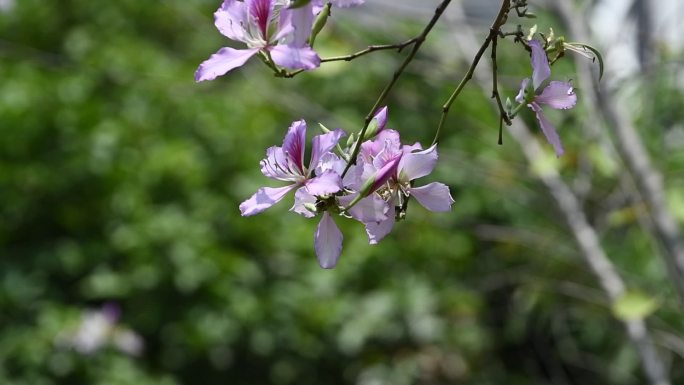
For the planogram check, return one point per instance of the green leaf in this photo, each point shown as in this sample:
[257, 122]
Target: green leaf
[634, 305]
[582, 48]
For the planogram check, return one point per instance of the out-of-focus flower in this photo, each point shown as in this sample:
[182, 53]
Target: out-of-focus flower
[98, 329]
[6, 5]
[558, 95]
[265, 26]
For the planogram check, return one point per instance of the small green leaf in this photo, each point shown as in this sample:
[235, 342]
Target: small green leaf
[634, 305]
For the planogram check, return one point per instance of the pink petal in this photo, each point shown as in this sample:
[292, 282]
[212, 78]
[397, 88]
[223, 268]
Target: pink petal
[223, 61]
[294, 57]
[327, 183]
[294, 144]
[285, 28]
[415, 165]
[327, 242]
[434, 196]
[548, 129]
[230, 19]
[330, 162]
[378, 230]
[387, 171]
[540, 64]
[558, 95]
[264, 198]
[322, 144]
[302, 20]
[369, 209]
[521, 94]
[302, 197]
[385, 139]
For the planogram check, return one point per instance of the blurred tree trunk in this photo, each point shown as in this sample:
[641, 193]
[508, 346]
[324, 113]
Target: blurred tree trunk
[647, 178]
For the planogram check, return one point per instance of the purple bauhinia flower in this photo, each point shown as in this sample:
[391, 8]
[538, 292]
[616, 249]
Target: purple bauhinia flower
[558, 95]
[413, 163]
[286, 164]
[263, 25]
[320, 179]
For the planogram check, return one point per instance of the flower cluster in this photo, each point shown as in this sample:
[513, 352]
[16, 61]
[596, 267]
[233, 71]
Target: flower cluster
[270, 28]
[375, 190]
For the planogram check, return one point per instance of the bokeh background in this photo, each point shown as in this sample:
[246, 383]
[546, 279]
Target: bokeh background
[124, 260]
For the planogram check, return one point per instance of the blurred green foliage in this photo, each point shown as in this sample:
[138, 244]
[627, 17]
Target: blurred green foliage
[120, 180]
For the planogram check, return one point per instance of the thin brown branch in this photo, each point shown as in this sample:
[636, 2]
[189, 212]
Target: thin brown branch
[494, 32]
[371, 48]
[503, 115]
[419, 40]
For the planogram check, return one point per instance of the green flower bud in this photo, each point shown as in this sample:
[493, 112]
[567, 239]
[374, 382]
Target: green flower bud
[298, 3]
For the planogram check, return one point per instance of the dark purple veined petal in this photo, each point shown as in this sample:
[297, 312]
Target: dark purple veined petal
[261, 11]
[230, 19]
[327, 242]
[378, 230]
[264, 198]
[278, 165]
[294, 57]
[223, 61]
[558, 95]
[540, 64]
[548, 129]
[327, 183]
[294, 144]
[415, 165]
[434, 196]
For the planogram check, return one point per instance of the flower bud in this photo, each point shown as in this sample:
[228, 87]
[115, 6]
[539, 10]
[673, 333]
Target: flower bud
[319, 23]
[380, 177]
[298, 3]
[311, 207]
[377, 124]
